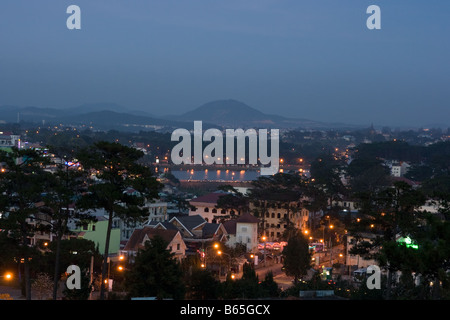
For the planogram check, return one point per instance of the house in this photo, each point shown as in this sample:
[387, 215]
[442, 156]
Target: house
[157, 211]
[96, 232]
[194, 230]
[243, 230]
[205, 206]
[140, 236]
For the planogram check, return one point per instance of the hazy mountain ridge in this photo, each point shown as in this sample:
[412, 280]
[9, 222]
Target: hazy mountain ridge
[220, 113]
[236, 114]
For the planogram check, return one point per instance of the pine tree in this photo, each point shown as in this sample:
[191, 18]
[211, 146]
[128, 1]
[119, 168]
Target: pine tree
[297, 257]
[116, 169]
[155, 273]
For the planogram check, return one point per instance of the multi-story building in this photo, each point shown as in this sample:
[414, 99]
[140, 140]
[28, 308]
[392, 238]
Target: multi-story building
[8, 140]
[274, 219]
[205, 206]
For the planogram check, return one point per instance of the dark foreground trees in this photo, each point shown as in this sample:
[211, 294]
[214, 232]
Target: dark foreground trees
[297, 256]
[116, 169]
[20, 190]
[155, 273]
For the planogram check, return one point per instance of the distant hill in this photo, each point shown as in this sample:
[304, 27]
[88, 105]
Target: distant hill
[97, 116]
[106, 120]
[106, 106]
[106, 116]
[236, 114]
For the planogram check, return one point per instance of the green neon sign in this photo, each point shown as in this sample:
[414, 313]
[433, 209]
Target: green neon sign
[408, 242]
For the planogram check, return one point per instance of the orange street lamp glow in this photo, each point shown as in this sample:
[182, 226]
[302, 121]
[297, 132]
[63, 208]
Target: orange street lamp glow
[216, 245]
[263, 238]
[219, 252]
[121, 258]
[331, 226]
[8, 276]
[233, 276]
[120, 268]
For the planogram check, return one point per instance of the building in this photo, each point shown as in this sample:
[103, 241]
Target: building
[274, 220]
[205, 206]
[399, 169]
[157, 211]
[346, 204]
[9, 140]
[196, 229]
[96, 232]
[140, 236]
[243, 230]
[354, 260]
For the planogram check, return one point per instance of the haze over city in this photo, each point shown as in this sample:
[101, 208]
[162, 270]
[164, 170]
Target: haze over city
[297, 59]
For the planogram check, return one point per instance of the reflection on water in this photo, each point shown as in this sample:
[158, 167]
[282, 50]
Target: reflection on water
[216, 175]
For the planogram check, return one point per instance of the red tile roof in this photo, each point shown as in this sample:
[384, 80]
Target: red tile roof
[138, 235]
[230, 226]
[209, 198]
[247, 218]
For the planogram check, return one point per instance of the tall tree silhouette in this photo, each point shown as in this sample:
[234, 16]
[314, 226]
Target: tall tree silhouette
[115, 169]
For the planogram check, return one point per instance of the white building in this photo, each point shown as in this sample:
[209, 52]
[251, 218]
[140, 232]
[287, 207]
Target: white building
[9, 140]
[243, 230]
[399, 169]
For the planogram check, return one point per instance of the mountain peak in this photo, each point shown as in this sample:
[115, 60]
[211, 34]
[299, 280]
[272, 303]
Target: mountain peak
[226, 112]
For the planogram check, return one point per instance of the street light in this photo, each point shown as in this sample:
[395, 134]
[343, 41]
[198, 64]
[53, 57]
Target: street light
[229, 257]
[264, 238]
[215, 246]
[8, 276]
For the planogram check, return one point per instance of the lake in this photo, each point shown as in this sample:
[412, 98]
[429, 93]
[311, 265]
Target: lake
[216, 175]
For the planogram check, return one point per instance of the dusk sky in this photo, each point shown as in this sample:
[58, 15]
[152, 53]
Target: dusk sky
[304, 59]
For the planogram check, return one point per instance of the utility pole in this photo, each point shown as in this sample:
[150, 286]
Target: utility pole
[91, 277]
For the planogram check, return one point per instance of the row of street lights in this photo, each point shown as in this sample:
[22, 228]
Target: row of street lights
[216, 246]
